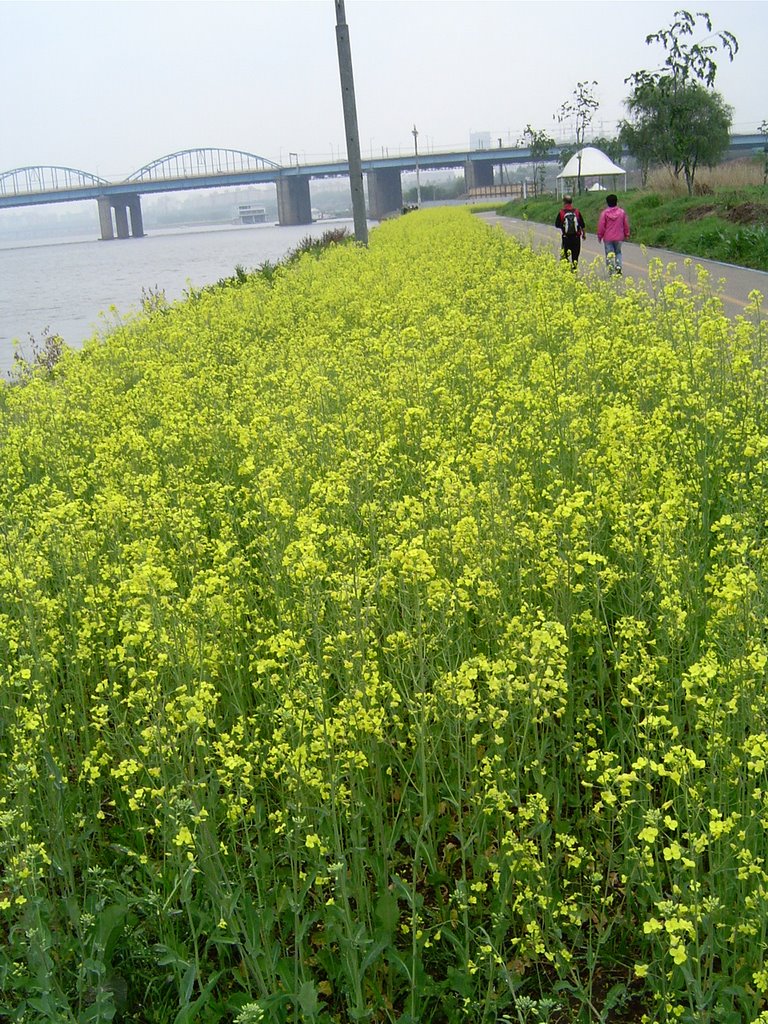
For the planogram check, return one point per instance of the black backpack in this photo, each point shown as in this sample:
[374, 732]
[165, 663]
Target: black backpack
[570, 223]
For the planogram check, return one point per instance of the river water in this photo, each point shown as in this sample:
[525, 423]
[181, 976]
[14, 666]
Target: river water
[76, 288]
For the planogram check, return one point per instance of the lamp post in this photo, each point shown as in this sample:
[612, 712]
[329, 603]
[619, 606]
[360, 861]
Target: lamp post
[350, 124]
[416, 154]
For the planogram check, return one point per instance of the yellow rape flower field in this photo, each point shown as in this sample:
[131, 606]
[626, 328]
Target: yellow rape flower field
[385, 640]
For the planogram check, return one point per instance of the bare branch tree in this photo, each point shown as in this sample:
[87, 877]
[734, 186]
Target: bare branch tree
[581, 108]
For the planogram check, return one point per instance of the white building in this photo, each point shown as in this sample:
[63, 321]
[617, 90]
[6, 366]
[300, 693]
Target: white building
[249, 213]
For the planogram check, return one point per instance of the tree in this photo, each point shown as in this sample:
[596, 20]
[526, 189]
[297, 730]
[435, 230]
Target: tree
[640, 140]
[694, 61]
[540, 144]
[566, 152]
[677, 118]
[682, 129]
[613, 148]
[581, 108]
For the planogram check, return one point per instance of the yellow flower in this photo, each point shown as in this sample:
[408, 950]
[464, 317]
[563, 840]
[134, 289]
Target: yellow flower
[183, 837]
[679, 954]
[649, 834]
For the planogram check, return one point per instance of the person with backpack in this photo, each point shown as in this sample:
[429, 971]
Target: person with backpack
[612, 230]
[571, 224]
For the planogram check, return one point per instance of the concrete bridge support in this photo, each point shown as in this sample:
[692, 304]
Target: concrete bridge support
[123, 207]
[478, 174]
[105, 217]
[293, 202]
[385, 192]
[137, 221]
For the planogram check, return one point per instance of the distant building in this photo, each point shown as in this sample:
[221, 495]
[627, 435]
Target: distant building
[248, 213]
[479, 140]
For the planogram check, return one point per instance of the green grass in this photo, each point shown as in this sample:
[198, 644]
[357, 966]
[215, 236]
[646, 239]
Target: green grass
[730, 225]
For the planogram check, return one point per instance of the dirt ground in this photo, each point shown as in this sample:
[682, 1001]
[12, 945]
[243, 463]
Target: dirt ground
[741, 213]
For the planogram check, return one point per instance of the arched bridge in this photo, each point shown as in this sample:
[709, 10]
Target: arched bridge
[119, 202]
[216, 168]
[26, 180]
[175, 167]
[196, 163]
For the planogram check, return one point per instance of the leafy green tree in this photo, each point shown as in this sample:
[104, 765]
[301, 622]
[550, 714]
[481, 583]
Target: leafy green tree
[612, 148]
[432, 191]
[566, 152]
[540, 144]
[689, 61]
[581, 109]
[682, 129]
[640, 139]
[676, 117]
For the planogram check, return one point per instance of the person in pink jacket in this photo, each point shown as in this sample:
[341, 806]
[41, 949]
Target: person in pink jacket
[612, 230]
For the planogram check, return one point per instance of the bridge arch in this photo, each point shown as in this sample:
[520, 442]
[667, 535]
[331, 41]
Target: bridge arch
[190, 163]
[29, 180]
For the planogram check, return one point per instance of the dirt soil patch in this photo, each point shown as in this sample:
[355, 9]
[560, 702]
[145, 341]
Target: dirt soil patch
[748, 213]
[743, 213]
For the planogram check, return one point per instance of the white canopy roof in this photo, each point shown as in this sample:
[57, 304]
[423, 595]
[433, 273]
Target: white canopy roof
[594, 164]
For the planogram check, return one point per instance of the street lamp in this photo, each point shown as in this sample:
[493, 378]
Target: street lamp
[416, 153]
[350, 124]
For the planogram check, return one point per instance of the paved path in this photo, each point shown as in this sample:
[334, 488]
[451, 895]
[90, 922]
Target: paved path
[738, 282]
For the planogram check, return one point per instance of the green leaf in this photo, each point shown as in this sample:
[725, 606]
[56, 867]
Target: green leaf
[109, 929]
[388, 911]
[307, 998]
[615, 995]
[189, 1012]
[375, 952]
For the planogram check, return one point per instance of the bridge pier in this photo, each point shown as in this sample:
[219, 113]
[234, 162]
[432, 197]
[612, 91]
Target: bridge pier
[121, 220]
[293, 202]
[478, 174]
[105, 217]
[123, 207]
[137, 221]
[385, 192]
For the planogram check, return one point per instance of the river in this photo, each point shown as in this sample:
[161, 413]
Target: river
[76, 288]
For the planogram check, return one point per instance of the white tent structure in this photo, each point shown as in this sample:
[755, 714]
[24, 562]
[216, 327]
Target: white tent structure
[595, 166]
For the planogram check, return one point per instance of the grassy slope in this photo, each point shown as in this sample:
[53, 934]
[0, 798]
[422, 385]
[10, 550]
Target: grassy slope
[729, 225]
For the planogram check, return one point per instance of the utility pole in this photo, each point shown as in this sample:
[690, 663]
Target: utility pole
[350, 124]
[416, 155]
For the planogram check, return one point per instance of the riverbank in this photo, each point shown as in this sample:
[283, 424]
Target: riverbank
[78, 288]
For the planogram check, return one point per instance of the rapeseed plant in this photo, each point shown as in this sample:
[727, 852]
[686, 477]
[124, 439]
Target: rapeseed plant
[385, 640]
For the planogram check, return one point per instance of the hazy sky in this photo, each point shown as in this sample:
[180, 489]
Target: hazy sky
[109, 86]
